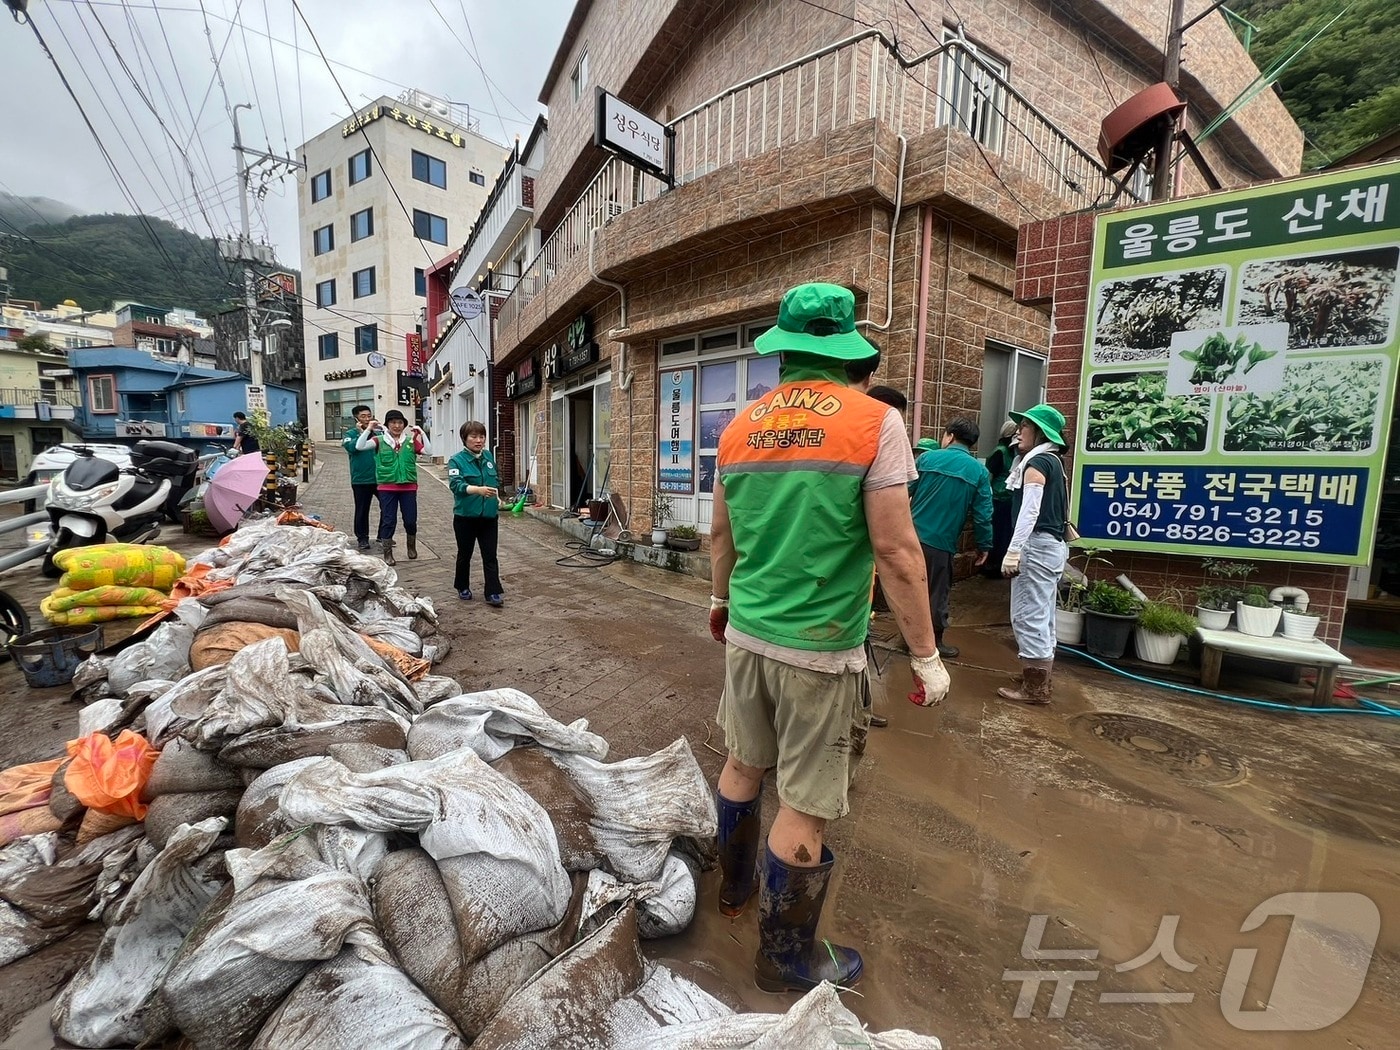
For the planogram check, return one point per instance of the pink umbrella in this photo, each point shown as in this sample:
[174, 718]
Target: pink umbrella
[234, 490]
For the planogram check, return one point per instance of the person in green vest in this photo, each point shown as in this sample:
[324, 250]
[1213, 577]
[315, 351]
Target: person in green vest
[396, 447]
[362, 479]
[809, 499]
[476, 488]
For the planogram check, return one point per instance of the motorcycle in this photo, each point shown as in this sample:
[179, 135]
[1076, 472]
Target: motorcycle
[14, 623]
[94, 500]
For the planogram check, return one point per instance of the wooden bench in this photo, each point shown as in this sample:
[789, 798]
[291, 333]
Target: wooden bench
[1311, 653]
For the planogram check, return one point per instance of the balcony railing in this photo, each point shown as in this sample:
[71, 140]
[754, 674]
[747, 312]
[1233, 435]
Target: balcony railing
[24, 396]
[860, 78]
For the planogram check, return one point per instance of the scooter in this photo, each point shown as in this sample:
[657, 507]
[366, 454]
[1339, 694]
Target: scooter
[14, 623]
[94, 500]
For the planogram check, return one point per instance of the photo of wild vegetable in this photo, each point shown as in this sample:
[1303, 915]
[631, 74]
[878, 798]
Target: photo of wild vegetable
[1131, 412]
[1347, 299]
[1218, 358]
[1324, 406]
[1134, 319]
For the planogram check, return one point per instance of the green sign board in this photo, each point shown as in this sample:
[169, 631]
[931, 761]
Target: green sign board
[1239, 371]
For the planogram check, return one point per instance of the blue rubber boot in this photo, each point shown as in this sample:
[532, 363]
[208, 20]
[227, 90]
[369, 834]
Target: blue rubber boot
[790, 958]
[739, 824]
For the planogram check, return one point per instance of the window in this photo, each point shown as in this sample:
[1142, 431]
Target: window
[362, 224]
[429, 227]
[325, 293]
[320, 186]
[339, 402]
[40, 438]
[362, 282]
[366, 338]
[430, 170]
[102, 394]
[477, 178]
[420, 281]
[579, 77]
[360, 167]
[972, 91]
[328, 346]
[1011, 379]
[322, 240]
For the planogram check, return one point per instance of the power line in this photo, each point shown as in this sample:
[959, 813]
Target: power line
[276, 80]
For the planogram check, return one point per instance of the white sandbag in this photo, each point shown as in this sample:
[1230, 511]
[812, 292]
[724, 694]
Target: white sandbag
[254, 943]
[32, 851]
[260, 819]
[415, 917]
[43, 905]
[664, 998]
[111, 1000]
[640, 805]
[276, 745]
[494, 845]
[358, 999]
[435, 688]
[665, 905]
[176, 709]
[817, 1021]
[396, 631]
[494, 721]
[99, 715]
[168, 813]
[361, 758]
[181, 767]
[165, 654]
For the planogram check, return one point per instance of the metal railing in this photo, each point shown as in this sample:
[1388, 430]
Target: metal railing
[862, 77]
[27, 396]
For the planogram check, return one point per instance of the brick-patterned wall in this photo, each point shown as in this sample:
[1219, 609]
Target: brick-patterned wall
[1053, 264]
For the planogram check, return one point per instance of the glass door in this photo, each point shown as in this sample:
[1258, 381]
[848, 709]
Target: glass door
[558, 455]
[602, 436]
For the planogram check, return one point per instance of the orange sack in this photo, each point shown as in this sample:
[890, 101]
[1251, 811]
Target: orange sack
[24, 800]
[108, 775]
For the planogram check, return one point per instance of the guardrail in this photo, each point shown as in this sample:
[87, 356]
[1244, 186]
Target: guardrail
[30, 396]
[860, 78]
[39, 494]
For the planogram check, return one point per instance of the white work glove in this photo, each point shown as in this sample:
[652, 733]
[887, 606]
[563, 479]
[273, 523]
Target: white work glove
[1011, 564]
[930, 680]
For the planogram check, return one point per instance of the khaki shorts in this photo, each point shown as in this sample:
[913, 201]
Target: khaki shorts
[804, 723]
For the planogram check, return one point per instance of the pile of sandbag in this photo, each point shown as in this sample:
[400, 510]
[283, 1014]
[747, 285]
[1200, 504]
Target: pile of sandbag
[111, 581]
[338, 847]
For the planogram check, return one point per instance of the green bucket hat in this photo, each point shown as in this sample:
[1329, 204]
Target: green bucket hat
[817, 319]
[926, 445]
[1048, 418]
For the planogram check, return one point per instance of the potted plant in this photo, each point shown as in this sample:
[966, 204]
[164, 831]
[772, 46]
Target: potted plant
[1109, 615]
[1299, 624]
[1215, 602]
[683, 538]
[1069, 598]
[660, 514]
[1255, 614]
[1161, 628]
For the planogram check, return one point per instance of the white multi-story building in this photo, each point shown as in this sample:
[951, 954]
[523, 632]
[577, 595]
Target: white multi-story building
[386, 193]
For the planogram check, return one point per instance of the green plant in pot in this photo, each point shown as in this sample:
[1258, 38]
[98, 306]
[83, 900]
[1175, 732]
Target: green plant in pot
[1300, 623]
[1216, 601]
[683, 538]
[1069, 596]
[1161, 628]
[1256, 614]
[661, 505]
[1109, 615]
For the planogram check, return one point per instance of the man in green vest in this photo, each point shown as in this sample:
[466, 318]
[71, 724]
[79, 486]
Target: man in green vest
[809, 499]
[362, 479]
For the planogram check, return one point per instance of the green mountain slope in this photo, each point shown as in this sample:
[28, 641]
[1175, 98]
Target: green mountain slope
[94, 259]
[1344, 90]
[22, 212]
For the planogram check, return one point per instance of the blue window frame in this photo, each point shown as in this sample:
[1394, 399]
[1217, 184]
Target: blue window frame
[322, 240]
[429, 227]
[325, 292]
[360, 167]
[366, 338]
[362, 225]
[320, 186]
[328, 346]
[429, 169]
[362, 282]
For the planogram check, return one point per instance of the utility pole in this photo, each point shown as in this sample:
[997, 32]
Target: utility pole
[1171, 75]
[245, 250]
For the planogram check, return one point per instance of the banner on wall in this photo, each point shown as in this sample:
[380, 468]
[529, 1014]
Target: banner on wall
[1239, 371]
[675, 449]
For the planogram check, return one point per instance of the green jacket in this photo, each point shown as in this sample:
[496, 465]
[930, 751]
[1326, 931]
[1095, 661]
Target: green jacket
[999, 466]
[361, 460]
[465, 470]
[395, 466]
[950, 483]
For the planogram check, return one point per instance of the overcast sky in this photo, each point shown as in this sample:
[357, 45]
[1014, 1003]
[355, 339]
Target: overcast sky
[394, 45]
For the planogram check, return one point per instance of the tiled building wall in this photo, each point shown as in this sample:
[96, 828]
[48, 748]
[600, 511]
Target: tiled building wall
[1053, 265]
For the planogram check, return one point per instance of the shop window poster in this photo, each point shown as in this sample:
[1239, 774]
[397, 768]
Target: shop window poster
[675, 447]
[1239, 371]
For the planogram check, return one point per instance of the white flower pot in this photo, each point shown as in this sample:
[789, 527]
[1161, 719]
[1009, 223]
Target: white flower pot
[1156, 648]
[658, 537]
[1261, 623]
[1069, 626]
[1213, 619]
[1300, 628]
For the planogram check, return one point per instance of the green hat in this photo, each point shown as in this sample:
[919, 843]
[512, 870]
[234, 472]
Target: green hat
[1048, 418]
[927, 444]
[817, 319]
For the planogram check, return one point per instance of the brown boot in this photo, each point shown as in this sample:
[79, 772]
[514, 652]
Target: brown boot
[411, 544]
[387, 546]
[1034, 687]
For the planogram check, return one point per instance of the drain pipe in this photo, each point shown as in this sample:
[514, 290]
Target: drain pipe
[1290, 596]
[921, 325]
[625, 375]
[894, 229]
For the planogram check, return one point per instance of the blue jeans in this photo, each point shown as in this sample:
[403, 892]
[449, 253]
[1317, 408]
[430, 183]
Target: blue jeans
[390, 503]
[1033, 593]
